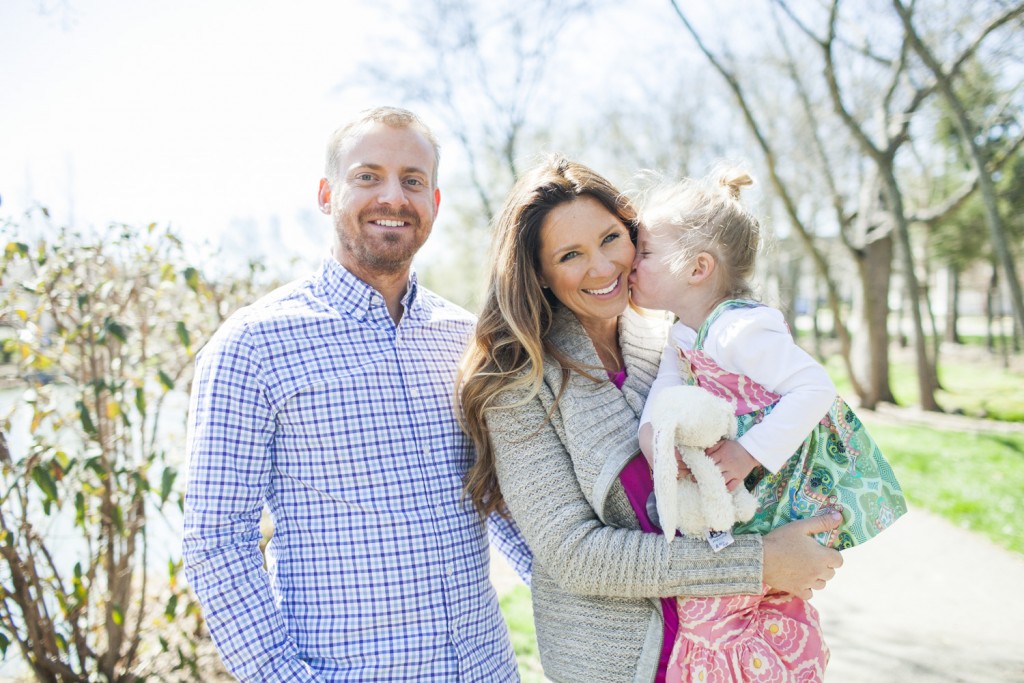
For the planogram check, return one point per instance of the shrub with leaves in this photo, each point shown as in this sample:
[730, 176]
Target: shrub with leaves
[102, 330]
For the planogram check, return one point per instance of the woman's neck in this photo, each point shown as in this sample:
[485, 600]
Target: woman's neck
[604, 334]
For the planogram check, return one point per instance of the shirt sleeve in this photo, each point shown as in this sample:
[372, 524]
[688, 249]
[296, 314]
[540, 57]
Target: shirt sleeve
[586, 556]
[230, 433]
[757, 343]
[508, 539]
[668, 369]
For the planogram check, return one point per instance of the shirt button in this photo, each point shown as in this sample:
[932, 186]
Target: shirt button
[414, 392]
[450, 570]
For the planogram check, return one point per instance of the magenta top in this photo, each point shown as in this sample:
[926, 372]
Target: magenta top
[636, 480]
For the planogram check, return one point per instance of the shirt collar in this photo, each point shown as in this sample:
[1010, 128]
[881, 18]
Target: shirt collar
[348, 294]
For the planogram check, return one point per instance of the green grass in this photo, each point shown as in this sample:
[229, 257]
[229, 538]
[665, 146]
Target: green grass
[976, 389]
[518, 611]
[974, 480]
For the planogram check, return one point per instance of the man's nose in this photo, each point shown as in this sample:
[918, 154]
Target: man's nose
[392, 192]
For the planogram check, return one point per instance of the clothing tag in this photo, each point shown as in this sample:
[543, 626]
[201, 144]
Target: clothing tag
[719, 539]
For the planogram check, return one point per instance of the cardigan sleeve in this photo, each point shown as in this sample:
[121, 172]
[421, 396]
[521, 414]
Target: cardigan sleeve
[585, 556]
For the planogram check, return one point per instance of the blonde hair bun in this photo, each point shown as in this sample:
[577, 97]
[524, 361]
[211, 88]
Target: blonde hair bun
[734, 180]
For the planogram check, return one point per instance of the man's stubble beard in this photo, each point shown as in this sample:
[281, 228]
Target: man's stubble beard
[390, 260]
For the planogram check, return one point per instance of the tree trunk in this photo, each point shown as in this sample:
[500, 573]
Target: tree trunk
[953, 305]
[926, 378]
[933, 326]
[990, 309]
[870, 351]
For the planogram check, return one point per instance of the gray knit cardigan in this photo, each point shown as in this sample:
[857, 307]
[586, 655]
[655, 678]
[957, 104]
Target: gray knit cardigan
[596, 576]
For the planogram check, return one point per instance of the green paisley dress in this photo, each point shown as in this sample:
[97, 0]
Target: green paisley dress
[837, 467]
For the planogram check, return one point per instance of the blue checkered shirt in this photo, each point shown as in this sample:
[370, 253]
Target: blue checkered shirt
[314, 403]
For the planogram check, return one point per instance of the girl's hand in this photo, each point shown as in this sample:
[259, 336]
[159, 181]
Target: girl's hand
[733, 460]
[684, 470]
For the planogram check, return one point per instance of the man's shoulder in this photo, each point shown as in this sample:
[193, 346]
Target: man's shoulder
[443, 310]
[270, 311]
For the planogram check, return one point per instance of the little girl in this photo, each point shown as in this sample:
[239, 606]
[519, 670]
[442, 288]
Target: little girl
[800, 449]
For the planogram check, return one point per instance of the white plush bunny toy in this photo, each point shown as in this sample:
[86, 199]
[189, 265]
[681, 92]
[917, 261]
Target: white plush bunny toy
[692, 419]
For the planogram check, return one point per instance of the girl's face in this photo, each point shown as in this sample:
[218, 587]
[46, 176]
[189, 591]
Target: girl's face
[652, 284]
[585, 258]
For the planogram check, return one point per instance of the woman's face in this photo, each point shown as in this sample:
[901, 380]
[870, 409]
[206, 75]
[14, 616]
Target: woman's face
[585, 259]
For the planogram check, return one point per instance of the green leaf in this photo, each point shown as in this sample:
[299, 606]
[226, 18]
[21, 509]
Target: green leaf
[41, 476]
[118, 615]
[140, 400]
[117, 517]
[83, 414]
[165, 380]
[5, 643]
[115, 328]
[172, 608]
[80, 510]
[19, 248]
[184, 337]
[167, 483]
[192, 279]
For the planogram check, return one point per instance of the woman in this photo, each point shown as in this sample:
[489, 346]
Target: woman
[551, 388]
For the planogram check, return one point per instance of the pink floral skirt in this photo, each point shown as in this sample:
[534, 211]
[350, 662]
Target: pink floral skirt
[769, 637]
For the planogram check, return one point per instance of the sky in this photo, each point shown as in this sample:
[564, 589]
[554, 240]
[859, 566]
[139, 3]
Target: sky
[207, 116]
[212, 116]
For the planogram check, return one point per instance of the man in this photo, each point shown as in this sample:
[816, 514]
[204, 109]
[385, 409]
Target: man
[330, 402]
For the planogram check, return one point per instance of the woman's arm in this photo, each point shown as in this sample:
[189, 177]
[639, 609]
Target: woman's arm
[585, 556]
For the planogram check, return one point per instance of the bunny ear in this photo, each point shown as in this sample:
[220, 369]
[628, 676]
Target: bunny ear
[665, 473]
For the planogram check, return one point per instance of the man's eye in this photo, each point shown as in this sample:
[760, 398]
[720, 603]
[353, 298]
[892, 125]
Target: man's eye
[414, 181]
[364, 176]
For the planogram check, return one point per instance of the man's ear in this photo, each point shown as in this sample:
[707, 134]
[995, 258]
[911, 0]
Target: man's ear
[324, 196]
[437, 199]
[703, 267]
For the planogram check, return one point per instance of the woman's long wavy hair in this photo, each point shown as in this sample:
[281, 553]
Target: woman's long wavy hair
[511, 339]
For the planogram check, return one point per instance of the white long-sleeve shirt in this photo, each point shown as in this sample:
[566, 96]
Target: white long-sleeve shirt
[756, 342]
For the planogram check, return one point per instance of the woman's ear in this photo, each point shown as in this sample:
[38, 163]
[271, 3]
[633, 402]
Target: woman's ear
[703, 267]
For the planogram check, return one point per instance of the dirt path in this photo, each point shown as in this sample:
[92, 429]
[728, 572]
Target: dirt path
[925, 602]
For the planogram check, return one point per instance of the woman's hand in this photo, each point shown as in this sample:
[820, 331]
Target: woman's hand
[794, 562]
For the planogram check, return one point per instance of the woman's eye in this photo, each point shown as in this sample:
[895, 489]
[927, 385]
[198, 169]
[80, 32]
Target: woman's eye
[610, 238]
[567, 255]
